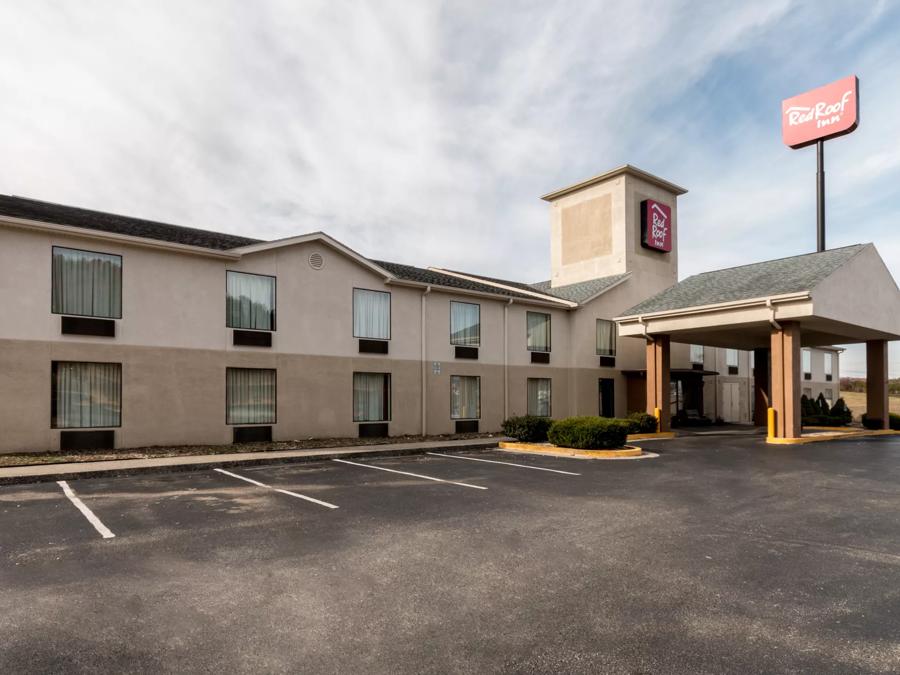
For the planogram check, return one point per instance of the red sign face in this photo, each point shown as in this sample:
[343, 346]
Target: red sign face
[826, 112]
[656, 226]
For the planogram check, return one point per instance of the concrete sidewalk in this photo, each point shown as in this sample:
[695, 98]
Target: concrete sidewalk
[37, 473]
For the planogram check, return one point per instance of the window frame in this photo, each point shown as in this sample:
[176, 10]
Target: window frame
[806, 355]
[737, 358]
[353, 313]
[54, 389]
[702, 354]
[390, 399]
[477, 377]
[615, 337]
[450, 310]
[828, 366]
[549, 397]
[121, 258]
[274, 301]
[549, 332]
[251, 424]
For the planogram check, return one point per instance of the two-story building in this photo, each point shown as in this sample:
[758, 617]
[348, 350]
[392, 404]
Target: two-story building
[122, 332]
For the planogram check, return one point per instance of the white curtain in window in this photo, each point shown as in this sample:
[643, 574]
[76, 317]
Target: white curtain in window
[829, 364]
[250, 396]
[87, 395]
[86, 284]
[250, 301]
[465, 397]
[371, 397]
[606, 337]
[371, 314]
[696, 353]
[539, 396]
[465, 324]
[538, 331]
[806, 357]
[731, 357]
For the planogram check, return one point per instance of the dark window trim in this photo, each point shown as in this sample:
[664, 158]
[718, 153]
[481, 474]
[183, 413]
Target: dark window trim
[390, 392]
[549, 333]
[615, 337]
[274, 309]
[85, 250]
[53, 391]
[390, 314]
[477, 377]
[450, 310]
[250, 424]
[550, 380]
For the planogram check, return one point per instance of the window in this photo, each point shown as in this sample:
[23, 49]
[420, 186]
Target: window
[249, 396]
[731, 357]
[465, 397]
[829, 397]
[537, 331]
[86, 395]
[86, 283]
[371, 397]
[371, 314]
[807, 392]
[806, 357]
[697, 354]
[829, 367]
[250, 301]
[465, 324]
[538, 396]
[606, 337]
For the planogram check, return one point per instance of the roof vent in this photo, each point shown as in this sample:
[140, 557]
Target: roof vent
[316, 261]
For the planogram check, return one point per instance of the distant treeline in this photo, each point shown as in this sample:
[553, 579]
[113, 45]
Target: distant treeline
[858, 384]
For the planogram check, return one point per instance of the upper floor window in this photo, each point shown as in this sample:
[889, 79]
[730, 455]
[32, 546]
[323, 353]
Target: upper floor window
[829, 366]
[697, 354]
[85, 283]
[731, 358]
[606, 337]
[465, 324]
[806, 358]
[537, 331]
[86, 395]
[250, 301]
[371, 314]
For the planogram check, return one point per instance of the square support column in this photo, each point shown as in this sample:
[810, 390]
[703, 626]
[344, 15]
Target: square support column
[659, 377]
[760, 387]
[877, 382]
[785, 399]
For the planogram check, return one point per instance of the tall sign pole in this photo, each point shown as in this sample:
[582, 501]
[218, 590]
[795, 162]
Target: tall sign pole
[815, 117]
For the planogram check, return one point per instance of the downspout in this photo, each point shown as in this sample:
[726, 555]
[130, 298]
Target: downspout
[424, 369]
[506, 359]
[775, 324]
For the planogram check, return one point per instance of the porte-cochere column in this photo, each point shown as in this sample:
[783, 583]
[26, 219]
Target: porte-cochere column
[659, 379]
[785, 399]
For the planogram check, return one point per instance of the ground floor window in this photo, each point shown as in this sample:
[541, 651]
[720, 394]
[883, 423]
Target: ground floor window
[86, 395]
[829, 397]
[538, 396]
[250, 396]
[371, 397]
[465, 397]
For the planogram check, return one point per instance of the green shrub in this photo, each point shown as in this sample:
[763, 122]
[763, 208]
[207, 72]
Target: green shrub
[589, 433]
[841, 415]
[822, 406]
[875, 422]
[527, 428]
[808, 407]
[641, 423]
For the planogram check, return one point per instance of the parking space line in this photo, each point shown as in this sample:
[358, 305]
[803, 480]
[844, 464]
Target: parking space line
[284, 492]
[85, 511]
[414, 475]
[494, 461]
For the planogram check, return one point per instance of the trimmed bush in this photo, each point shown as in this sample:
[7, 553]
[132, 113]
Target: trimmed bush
[641, 423]
[840, 413]
[589, 433]
[527, 428]
[822, 406]
[808, 407]
[875, 422]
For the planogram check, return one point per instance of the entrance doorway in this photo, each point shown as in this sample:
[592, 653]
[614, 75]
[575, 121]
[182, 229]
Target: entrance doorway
[607, 397]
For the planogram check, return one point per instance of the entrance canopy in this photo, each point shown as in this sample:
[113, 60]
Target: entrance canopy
[841, 296]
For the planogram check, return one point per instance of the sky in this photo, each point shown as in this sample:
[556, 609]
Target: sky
[425, 132]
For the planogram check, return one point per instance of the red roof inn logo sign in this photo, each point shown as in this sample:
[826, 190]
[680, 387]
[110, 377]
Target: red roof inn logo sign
[656, 226]
[823, 113]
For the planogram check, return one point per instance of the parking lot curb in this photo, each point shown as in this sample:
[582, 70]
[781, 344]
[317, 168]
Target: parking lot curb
[45, 473]
[542, 449]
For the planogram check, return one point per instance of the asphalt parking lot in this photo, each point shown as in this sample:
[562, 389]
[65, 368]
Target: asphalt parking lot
[721, 555]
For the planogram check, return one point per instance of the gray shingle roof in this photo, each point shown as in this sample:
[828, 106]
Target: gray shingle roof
[47, 212]
[758, 280]
[410, 273]
[583, 290]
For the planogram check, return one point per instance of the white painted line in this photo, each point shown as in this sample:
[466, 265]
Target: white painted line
[407, 473]
[494, 461]
[85, 511]
[284, 492]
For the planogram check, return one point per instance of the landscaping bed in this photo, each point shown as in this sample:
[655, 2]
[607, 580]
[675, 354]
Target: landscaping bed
[58, 457]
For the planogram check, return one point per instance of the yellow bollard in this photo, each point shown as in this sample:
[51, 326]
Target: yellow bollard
[657, 413]
[771, 422]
